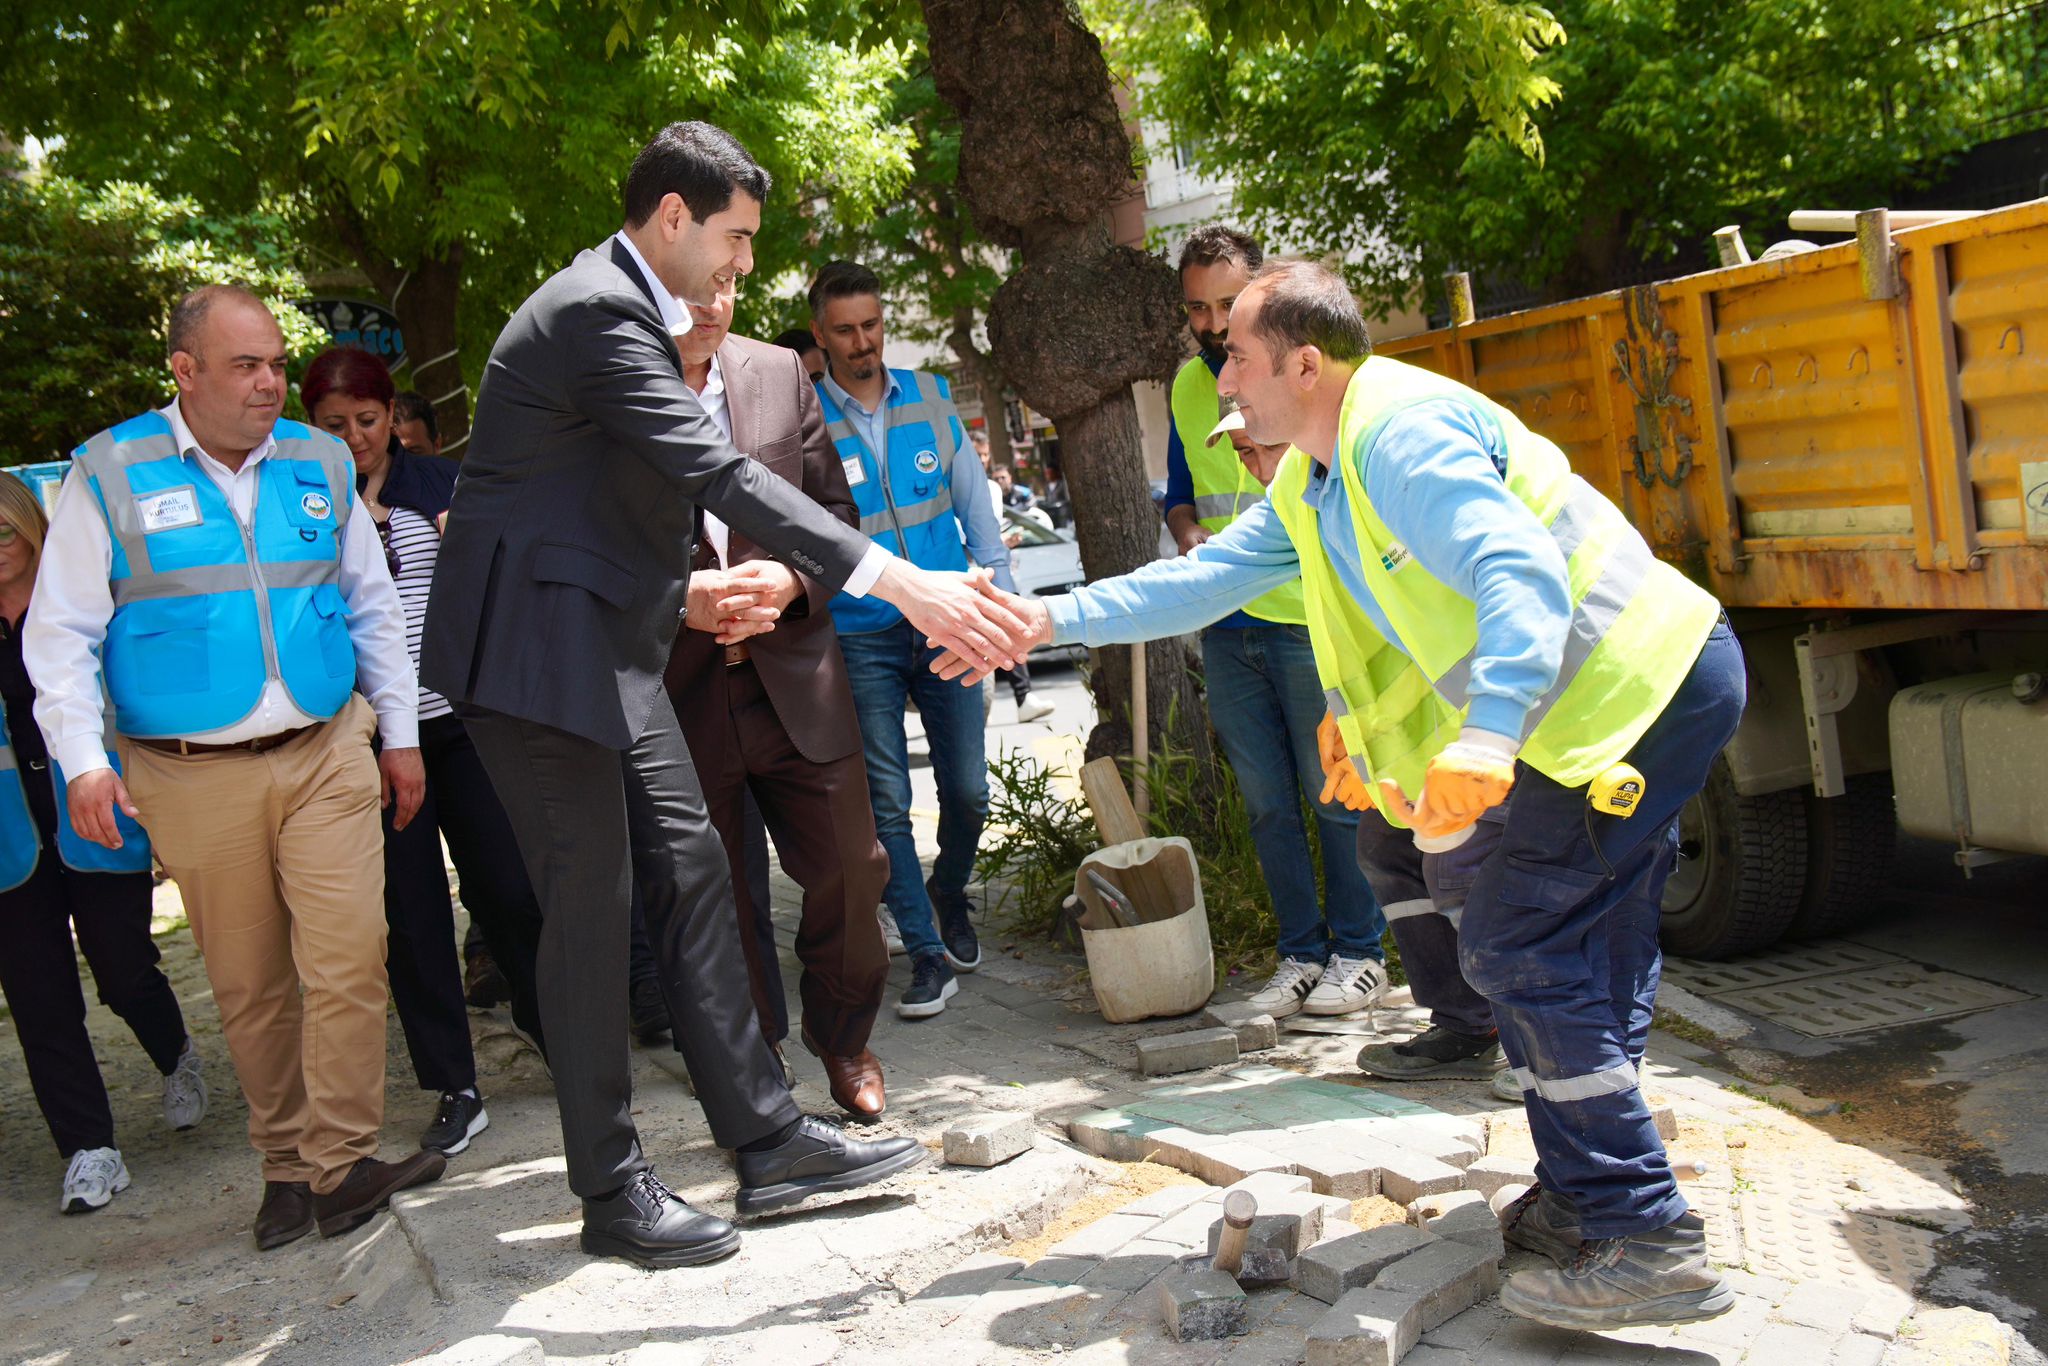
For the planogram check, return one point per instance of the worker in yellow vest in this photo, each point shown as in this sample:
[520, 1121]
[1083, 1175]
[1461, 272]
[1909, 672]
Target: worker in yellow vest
[1260, 676]
[1419, 514]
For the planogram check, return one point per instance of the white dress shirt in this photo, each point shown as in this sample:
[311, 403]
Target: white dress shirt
[73, 602]
[676, 318]
[712, 396]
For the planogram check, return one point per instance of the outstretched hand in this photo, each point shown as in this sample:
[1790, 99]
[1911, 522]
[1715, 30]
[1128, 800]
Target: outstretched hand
[1038, 627]
[961, 614]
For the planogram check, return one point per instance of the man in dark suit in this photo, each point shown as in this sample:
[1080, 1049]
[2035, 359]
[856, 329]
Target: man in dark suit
[766, 707]
[560, 586]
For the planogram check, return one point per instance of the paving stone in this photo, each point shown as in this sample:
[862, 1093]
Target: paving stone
[1104, 1236]
[491, 1349]
[1405, 1176]
[1265, 1185]
[951, 1291]
[1449, 1277]
[1287, 1224]
[1858, 1349]
[1334, 1229]
[1129, 1270]
[1425, 1355]
[1883, 1312]
[1256, 1029]
[1227, 1162]
[1666, 1120]
[1328, 1270]
[1268, 1345]
[1166, 1201]
[1735, 1329]
[1792, 1342]
[1472, 1224]
[1488, 1174]
[1442, 1202]
[1366, 1328]
[1189, 1051]
[1818, 1304]
[1952, 1337]
[1264, 1267]
[1200, 1303]
[1332, 1170]
[987, 1139]
[1056, 1270]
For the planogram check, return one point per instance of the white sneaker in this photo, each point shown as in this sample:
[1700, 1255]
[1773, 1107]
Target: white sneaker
[891, 938]
[95, 1176]
[1506, 1087]
[185, 1091]
[1282, 996]
[1348, 984]
[1033, 708]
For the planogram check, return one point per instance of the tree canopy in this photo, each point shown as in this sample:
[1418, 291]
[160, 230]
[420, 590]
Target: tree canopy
[1662, 121]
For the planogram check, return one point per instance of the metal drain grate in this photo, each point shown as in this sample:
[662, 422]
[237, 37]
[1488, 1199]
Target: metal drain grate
[1787, 964]
[1833, 987]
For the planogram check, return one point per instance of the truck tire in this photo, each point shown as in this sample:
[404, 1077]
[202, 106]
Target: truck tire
[1850, 843]
[1741, 870]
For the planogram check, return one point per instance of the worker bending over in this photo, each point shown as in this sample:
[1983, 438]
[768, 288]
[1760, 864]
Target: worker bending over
[1427, 523]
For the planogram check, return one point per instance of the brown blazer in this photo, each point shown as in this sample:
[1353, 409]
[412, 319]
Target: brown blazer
[777, 420]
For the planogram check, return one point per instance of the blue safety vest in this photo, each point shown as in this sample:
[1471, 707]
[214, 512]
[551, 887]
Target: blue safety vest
[905, 493]
[21, 840]
[206, 610]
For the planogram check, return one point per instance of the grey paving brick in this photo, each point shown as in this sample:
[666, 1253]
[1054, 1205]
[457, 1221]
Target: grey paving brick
[1268, 1345]
[985, 1140]
[1256, 1029]
[1056, 1270]
[1265, 1184]
[1328, 1270]
[1287, 1224]
[1791, 1343]
[1201, 1303]
[1228, 1161]
[1430, 1206]
[1166, 1201]
[1366, 1328]
[1883, 1312]
[1473, 1224]
[1333, 1229]
[1449, 1277]
[1488, 1174]
[1332, 1170]
[1769, 1289]
[1858, 1349]
[1824, 1305]
[1425, 1355]
[1736, 1328]
[1128, 1270]
[1104, 1236]
[968, 1280]
[1188, 1051]
[1404, 1175]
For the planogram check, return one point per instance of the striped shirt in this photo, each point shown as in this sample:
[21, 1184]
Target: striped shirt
[413, 543]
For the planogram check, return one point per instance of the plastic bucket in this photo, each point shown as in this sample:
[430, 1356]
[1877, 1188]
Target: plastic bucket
[1164, 964]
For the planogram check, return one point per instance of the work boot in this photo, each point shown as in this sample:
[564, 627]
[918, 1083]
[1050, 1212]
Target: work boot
[1541, 1221]
[1659, 1277]
[1436, 1052]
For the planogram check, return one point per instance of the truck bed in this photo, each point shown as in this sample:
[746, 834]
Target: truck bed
[1791, 441]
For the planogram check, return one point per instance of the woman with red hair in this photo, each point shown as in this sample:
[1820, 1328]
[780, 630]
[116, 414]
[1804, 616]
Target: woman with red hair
[348, 392]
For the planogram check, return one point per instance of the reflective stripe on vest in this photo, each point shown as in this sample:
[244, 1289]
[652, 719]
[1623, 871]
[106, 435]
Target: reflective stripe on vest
[207, 609]
[904, 492]
[1224, 488]
[1637, 624]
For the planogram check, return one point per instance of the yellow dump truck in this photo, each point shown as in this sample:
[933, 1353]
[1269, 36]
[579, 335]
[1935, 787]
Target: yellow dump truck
[1849, 447]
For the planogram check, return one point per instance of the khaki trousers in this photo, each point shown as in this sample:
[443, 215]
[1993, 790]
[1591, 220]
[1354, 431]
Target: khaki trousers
[280, 857]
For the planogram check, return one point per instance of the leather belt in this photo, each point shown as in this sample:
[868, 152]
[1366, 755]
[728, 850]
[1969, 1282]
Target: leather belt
[737, 654]
[258, 745]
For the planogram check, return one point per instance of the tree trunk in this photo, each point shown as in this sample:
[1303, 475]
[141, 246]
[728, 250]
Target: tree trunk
[427, 306]
[988, 377]
[1041, 161]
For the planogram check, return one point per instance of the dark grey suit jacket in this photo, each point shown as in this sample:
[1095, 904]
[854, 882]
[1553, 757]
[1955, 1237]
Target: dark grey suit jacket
[562, 571]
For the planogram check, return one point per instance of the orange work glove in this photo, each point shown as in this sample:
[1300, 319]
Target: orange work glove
[1472, 775]
[1341, 783]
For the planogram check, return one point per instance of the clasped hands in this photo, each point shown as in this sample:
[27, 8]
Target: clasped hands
[1471, 776]
[745, 600]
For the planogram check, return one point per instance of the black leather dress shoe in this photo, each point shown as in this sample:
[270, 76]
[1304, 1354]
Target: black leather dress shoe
[818, 1158]
[285, 1215]
[649, 1224]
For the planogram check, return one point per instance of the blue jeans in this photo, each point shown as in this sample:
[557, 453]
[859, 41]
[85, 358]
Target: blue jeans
[888, 670]
[1265, 703]
[1560, 935]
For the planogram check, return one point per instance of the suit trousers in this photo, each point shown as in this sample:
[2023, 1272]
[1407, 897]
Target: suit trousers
[591, 821]
[824, 829]
[280, 859]
[751, 890]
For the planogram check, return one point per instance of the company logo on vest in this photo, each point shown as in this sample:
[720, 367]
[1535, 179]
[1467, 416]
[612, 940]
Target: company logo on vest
[927, 462]
[316, 505]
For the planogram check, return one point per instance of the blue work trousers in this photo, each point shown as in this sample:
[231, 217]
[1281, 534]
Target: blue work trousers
[889, 669]
[1423, 898]
[1560, 935]
[1265, 702]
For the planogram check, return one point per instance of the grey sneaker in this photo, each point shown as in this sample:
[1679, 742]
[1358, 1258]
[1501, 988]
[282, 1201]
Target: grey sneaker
[1436, 1052]
[1660, 1277]
[185, 1091]
[1542, 1221]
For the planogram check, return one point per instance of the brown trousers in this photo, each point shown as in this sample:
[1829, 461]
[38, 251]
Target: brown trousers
[824, 831]
[280, 857]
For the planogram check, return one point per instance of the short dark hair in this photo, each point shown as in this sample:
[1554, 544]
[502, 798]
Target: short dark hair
[188, 315]
[702, 163]
[1213, 243]
[797, 339]
[1304, 304]
[842, 280]
[413, 406]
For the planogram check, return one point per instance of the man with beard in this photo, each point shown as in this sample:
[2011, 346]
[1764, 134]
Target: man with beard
[1264, 699]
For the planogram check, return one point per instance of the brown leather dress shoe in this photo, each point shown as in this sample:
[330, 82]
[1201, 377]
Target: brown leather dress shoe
[855, 1079]
[285, 1215]
[369, 1186]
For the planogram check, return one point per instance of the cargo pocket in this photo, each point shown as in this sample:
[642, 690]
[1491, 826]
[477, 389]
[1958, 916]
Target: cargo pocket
[1521, 928]
[164, 651]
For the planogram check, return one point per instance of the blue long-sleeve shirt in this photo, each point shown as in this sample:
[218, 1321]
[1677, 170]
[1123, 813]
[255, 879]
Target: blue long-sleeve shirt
[978, 525]
[1435, 478]
[1180, 492]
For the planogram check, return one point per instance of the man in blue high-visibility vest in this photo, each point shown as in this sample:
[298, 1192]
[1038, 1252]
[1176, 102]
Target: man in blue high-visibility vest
[920, 492]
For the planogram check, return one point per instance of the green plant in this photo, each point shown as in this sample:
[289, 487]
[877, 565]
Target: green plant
[1035, 839]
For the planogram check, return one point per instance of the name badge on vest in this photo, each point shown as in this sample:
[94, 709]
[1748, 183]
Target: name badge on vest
[856, 471]
[169, 509]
